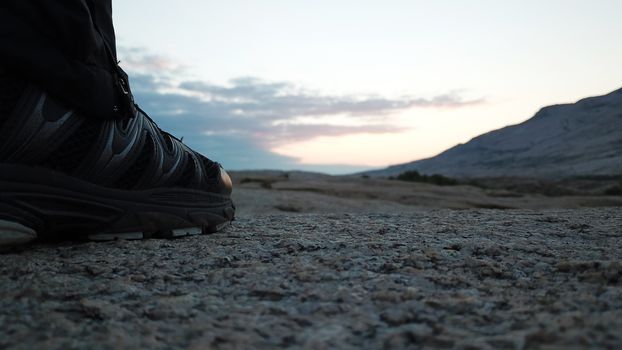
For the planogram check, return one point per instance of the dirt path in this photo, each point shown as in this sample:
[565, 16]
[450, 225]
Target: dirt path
[435, 278]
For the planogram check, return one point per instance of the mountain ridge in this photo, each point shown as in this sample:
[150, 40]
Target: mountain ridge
[562, 140]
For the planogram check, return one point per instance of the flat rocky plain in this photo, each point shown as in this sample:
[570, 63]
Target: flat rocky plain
[266, 192]
[321, 263]
[435, 278]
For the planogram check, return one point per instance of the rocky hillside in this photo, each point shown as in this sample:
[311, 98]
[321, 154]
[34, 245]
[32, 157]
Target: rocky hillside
[584, 138]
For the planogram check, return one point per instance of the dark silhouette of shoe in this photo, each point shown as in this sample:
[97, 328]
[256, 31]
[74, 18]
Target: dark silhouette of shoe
[62, 173]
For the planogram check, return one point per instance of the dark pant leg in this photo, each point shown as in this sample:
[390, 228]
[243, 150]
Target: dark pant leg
[67, 47]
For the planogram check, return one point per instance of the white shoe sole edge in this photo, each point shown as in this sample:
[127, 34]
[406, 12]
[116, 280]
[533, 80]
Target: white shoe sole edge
[180, 232]
[13, 233]
[102, 237]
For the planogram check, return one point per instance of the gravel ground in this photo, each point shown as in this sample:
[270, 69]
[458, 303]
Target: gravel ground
[435, 278]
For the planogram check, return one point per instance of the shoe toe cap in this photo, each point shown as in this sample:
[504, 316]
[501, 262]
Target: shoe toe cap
[225, 179]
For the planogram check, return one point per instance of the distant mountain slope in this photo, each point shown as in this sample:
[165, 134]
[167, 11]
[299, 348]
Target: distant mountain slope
[584, 138]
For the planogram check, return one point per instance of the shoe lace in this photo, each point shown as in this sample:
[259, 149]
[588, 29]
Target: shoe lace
[206, 161]
[162, 132]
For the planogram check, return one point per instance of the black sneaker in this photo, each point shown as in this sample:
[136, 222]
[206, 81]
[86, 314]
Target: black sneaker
[63, 173]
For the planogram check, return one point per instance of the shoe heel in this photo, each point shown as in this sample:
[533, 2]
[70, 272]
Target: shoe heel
[13, 233]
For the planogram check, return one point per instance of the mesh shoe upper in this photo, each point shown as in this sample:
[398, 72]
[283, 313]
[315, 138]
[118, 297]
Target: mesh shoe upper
[125, 154]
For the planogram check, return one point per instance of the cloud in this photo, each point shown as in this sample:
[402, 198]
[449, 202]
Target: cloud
[239, 122]
[139, 60]
[285, 100]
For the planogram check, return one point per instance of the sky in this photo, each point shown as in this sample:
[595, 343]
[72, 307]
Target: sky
[340, 86]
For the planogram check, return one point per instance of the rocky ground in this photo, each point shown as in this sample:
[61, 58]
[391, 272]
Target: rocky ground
[266, 192]
[431, 278]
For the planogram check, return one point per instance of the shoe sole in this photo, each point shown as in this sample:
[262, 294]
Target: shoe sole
[36, 200]
[14, 233]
